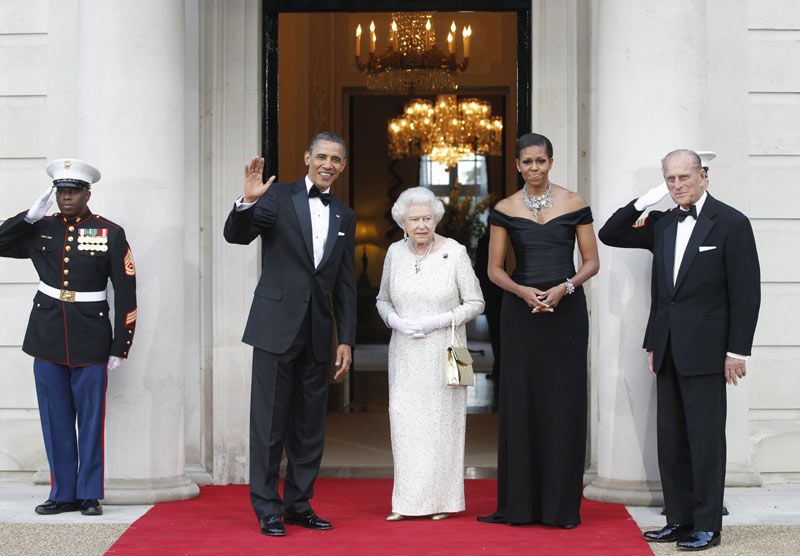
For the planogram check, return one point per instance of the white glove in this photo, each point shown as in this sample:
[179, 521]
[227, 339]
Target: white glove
[651, 197]
[114, 363]
[40, 207]
[434, 322]
[405, 326]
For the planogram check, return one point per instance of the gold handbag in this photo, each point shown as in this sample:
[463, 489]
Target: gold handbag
[459, 361]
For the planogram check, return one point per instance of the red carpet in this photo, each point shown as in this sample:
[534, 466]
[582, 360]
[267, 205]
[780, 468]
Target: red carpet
[221, 521]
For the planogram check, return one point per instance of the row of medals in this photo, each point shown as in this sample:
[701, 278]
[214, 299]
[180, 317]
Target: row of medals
[92, 243]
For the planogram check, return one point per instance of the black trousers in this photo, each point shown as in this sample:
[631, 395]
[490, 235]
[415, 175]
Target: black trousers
[691, 445]
[288, 403]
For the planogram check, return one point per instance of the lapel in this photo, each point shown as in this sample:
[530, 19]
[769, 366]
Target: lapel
[334, 225]
[669, 234]
[701, 229]
[300, 201]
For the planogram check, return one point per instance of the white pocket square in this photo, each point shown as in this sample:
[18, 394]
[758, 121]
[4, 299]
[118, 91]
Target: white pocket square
[707, 247]
[341, 233]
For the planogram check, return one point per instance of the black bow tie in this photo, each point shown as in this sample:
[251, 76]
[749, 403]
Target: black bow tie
[326, 198]
[682, 214]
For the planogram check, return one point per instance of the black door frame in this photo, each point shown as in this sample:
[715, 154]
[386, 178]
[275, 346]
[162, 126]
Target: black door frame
[269, 60]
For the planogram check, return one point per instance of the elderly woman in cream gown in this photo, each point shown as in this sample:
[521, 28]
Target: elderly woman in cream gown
[427, 282]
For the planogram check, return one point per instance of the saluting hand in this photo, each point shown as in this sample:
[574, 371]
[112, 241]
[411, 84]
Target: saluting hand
[253, 186]
[41, 206]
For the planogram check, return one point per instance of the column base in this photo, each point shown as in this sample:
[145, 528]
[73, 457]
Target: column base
[741, 476]
[132, 492]
[127, 492]
[631, 493]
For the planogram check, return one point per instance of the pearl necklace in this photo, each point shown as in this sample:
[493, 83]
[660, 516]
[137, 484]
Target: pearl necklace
[418, 259]
[538, 204]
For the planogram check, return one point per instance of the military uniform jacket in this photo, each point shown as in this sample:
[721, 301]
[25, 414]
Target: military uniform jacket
[77, 254]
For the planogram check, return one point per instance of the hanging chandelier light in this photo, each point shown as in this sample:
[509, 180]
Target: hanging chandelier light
[412, 63]
[447, 130]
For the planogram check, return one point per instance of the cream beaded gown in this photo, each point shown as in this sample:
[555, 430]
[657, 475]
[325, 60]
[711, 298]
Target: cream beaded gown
[427, 417]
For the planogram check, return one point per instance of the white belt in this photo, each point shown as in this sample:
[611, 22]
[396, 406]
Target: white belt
[71, 296]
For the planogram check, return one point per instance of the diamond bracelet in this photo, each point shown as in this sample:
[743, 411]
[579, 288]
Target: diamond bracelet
[570, 286]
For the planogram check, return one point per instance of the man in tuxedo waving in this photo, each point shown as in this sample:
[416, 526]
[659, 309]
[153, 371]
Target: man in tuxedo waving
[308, 246]
[703, 313]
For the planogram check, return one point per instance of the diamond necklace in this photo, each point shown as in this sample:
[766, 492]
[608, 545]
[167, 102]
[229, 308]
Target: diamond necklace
[537, 204]
[418, 259]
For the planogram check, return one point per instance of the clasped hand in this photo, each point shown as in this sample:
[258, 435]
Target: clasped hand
[418, 327]
[543, 301]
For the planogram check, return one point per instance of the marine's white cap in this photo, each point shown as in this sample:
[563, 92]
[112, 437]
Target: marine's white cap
[71, 172]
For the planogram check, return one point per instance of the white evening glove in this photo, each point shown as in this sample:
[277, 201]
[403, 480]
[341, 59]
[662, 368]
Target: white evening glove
[404, 326]
[434, 322]
[651, 197]
[114, 363]
[40, 207]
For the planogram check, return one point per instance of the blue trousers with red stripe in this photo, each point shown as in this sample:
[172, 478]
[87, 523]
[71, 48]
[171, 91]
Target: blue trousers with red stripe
[66, 395]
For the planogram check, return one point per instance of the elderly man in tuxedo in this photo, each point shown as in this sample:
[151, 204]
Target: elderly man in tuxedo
[703, 313]
[307, 276]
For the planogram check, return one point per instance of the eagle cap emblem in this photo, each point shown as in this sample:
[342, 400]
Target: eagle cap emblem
[67, 164]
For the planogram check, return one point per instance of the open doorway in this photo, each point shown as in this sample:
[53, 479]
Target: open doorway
[311, 84]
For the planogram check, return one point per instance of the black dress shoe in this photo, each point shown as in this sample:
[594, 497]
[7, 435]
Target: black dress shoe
[700, 540]
[492, 518]
[670, 533]
[51, 507]
[309, 520]
[90, 507]
[272, 525]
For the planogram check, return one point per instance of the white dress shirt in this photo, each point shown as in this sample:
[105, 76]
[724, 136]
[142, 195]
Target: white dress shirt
[685, 229]
[320, 220]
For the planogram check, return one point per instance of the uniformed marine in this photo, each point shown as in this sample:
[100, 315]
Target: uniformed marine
[69, 334]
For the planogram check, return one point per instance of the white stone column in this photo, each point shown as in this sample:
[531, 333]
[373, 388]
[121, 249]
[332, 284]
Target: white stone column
[649, 98]
[130, 125]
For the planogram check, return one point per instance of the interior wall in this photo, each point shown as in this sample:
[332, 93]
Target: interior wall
[317, 76]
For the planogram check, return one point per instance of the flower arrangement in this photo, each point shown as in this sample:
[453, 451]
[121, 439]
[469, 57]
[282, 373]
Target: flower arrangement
[462, 218]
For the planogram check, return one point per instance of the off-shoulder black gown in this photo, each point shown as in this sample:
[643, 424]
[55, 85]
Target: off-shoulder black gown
[543, 385]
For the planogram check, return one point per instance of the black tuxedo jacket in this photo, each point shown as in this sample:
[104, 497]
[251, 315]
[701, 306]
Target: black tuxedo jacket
[712, 307]
[289, 283]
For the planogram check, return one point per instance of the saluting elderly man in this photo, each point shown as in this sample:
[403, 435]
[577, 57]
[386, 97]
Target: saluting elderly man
[75, 253]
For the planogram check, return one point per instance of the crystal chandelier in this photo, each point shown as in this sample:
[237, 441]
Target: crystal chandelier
[446, 130]
[412, 63]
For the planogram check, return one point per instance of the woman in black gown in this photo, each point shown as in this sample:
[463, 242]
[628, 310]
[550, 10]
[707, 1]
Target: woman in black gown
[544, 337]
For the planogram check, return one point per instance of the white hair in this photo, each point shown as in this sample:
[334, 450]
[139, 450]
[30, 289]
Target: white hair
[416, 196]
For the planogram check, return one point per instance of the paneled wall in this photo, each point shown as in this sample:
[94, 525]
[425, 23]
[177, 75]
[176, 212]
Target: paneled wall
[23, 151]
[770, 181]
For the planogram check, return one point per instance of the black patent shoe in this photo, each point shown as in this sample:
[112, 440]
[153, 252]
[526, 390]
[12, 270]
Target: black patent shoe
[492, 518]
[309, 520]
[271, 525]
[700, 540]
[90, 507]
[672, 532]
[51, 507]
